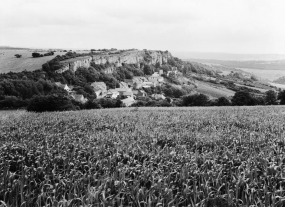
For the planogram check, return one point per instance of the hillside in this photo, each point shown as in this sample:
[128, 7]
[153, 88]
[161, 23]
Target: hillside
[280, 80]
[9, 63]
[229, 56]
[263, 69]
[156, 77]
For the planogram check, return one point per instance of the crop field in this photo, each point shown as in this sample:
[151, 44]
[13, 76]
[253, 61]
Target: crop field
[231, 156]
[9, 63]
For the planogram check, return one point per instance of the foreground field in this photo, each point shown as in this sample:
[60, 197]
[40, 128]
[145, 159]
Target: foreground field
[144, 157]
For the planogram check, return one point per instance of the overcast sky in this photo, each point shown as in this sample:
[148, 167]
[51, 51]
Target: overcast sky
[233, 26]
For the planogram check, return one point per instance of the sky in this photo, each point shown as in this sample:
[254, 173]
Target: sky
[230, 26]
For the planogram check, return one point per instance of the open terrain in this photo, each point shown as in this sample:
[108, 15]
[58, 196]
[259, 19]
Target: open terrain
[266, 70]
[9, 63]
[213, 90]
[231, 156]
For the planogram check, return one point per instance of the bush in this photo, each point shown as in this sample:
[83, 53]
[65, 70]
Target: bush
[12, 102]
[222, 101]
[195, 100]
[36, 55]
[242, 98]
[18, 56]
[52, 102]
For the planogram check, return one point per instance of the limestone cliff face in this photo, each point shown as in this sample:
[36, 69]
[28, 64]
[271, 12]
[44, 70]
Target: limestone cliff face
[116, 60]
[75, 63]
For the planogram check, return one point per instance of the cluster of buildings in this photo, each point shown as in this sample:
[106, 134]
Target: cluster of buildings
[69, 89]
[129, 90]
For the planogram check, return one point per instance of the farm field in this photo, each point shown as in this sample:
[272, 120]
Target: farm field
[9, 63]
[230, 156]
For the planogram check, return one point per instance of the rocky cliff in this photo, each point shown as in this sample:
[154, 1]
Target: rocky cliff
[116, 60]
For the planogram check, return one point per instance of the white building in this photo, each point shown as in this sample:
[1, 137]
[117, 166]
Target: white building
[79, 98]
[128, 101]
[63, 86]
[100, 89]
[112, 94]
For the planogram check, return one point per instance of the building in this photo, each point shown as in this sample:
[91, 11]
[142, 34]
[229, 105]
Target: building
[129, 82]
[123, 85]
[158, 96]
[139, 93]
[122, 90]
[100, 89]
[128, 94]
[149, 84]
[156, 78]
[112, 94]
[79, 98]
[63, 86]
[138, 82]
[173, 70]
[128, 101]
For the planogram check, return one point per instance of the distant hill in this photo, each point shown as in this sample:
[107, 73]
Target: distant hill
[280, 80]
[12, 48]
[227, 56]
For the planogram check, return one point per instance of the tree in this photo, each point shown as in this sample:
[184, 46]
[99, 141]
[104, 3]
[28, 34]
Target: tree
[36, 55]
[242, 98]
[270, 98]
[222, 101]
[281, 97]
[50, 103]
[195, 100]
[201, 100]
[147, 70]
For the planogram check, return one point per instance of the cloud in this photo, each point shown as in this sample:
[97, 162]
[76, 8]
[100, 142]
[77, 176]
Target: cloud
[235, 26]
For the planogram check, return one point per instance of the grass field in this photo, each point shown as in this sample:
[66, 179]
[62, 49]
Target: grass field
[9, 63]
[232, 156]
[213, 91]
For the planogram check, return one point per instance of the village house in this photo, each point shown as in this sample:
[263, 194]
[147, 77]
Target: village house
[128, 94]
[129, 82]
[63, 86]
[79, 98]
[128, 101]
[139, 93]
[100, 89]
[112, 94]
[158, 96]
[123, 85]
[136, 82]
[173, 70]
[148, 84]
[121, 91]
[156, 79]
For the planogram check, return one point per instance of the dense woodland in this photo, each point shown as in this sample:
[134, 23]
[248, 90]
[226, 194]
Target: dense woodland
[20, 90]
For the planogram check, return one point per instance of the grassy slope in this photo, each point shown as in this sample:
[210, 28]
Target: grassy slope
[9, 63]
[155, 152]
[213, 90]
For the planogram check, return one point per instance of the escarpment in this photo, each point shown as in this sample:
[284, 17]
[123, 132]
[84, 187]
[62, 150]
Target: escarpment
[116, 60]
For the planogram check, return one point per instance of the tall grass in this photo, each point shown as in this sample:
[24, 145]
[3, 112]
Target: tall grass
[230, 156]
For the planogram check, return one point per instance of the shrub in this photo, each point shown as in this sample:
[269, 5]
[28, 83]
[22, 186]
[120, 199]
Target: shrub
[36, 55]
[52, 102]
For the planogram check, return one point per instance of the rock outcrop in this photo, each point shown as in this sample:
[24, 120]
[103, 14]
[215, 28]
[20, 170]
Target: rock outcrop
[75, 63]
[116, 60]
